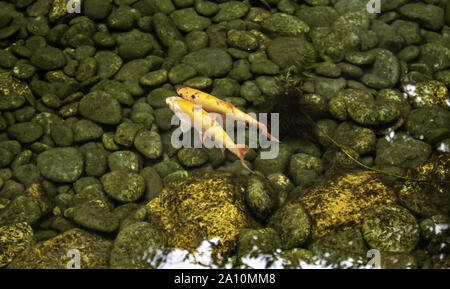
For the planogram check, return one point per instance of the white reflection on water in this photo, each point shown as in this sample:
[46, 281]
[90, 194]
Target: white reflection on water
[202, 259]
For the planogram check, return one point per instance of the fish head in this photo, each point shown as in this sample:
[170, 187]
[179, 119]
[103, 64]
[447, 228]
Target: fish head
[173, 103]
[189, 94]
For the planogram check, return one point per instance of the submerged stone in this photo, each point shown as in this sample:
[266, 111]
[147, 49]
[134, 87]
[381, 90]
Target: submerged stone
[341, 202]
[53, 254]
[203, 206]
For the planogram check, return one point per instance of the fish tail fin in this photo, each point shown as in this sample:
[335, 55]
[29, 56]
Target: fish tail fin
[271, 136]
[265, 130]
[240, 152]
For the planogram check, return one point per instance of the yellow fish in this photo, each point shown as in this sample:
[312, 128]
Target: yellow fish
[214, 104]
[203, 123]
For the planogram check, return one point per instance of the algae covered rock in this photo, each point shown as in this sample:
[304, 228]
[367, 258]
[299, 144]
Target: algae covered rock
[343, 249]
[427, 193]
[101, 107]
[391, 228]
[14, 92]
[204, 206]
[402, 151]
[123, 186]
[61, 252]
[342, 201]
[13, 240]
[95, 215]
[292, 223]
[137, 246]
[211, 61]
[254, 242]
[432, 123]
[61, 164]
[24, 208]
[260, 197]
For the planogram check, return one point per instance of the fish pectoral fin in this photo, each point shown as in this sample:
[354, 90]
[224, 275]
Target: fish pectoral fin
[240, 154]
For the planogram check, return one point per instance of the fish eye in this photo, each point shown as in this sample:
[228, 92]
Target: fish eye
[193, 96]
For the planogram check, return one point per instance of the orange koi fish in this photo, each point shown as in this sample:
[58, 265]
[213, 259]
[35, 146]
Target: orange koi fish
[214, 104]
[203, 123]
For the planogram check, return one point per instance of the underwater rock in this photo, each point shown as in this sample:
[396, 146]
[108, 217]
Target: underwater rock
[62, 135]
[94, 215]
[165, 29]
[242, 39]
[93, 192]
[175, 177]
[192, 157]
[206, 8]
[121, 18]
[188, 20]
[231, 10]
[48, 58]
[341, 202]
[283, 24]
[260, 197]
[108, 63]
[203, 206]
[225, 87]
[274, 165]
[428, 93]
[393, 260]
[154, 78]
[211, 61]
[126, 132]
[101, 107]
[435, 55]
[317, 16]
[53, 254]
[292, 223]
[430, 16]
[6, 157]
[96, 9]
[14, 92]
[253, 243]
[61, 164]
[95, 157]
[123, 186]
[287, 51]
[166, 167]
[360, 139]
[429, 123]
[282, 186]
[134, 44]
[391, 228]
[304, 168]
[343, 249]
[149, 144]
[13, 240]
[137, 246]
[85, 130]
[436, 227]
[153, 183]
[385, 71]
[427, 193]
[401, 151]
[163, 117]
